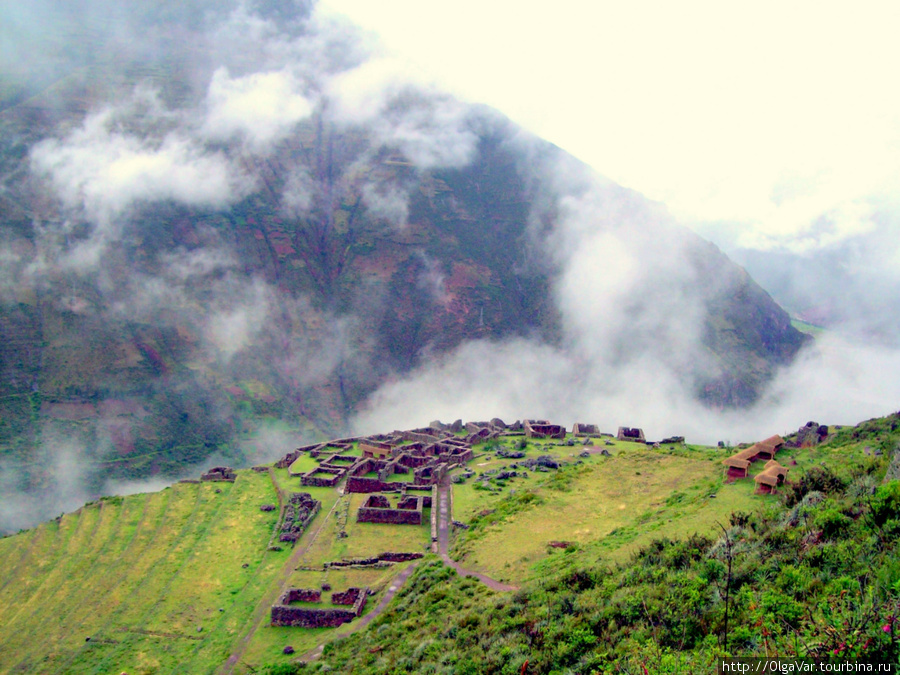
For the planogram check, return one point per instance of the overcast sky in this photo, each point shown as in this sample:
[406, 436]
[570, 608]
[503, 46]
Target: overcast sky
[773, 117]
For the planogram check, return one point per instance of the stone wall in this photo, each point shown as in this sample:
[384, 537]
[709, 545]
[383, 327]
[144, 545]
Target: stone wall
[314, 617]
[409, 502]
[356, 597]
[543, 429]
[373, 448]
[400, 557]
[219, 473]
[367, 465]
[413, 461]
[288, 459]
[359, 484]
[582, 429]
[383, 557]
[307, 617]
[630, 434]
[300, 595]
[419, 435]
[298, 514]
[374, 511]
[322, 477]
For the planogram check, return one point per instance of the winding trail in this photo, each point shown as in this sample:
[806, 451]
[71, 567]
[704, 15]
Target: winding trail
[444, 539]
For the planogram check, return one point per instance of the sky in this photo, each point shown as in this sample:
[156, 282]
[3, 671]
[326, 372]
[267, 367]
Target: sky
[764, 125]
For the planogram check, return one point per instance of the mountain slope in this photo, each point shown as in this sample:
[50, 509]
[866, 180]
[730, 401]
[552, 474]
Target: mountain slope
[243, 231]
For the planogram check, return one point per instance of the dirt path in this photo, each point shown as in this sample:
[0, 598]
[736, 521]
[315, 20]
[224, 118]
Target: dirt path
[444, 539]
[313, 654]
[276, 589]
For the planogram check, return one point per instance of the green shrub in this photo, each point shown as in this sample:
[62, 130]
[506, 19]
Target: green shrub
[886, 503]
[832, 522]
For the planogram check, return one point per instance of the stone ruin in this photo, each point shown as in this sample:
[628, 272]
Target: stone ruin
[631, 434]
[315, 450]
[219, 473]
[298, 514]
[543, 429]
[377, 509]
[283, 614]
[587, 430]
[386, 557]
[428, 459]
[453, 428]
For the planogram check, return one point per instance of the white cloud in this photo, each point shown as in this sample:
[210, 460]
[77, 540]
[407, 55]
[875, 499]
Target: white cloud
[429, 127]
[261, 107]
[105, 171]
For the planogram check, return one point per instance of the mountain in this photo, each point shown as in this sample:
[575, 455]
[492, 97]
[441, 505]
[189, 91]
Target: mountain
[225, 226]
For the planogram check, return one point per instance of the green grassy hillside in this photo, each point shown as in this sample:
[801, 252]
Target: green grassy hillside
[812, 573]
[181, 580]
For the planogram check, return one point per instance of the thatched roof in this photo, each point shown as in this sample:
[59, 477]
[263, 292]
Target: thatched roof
[772, 474]
[774, 442]
[736, 462]
[742, 459]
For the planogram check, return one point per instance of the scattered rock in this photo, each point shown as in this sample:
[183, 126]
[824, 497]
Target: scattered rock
[287, 650]
[245, 565]
[326, 587]
[584, 454]
[267, 507]
[510, 454]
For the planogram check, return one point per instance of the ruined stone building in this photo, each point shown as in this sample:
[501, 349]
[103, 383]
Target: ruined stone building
[378, 509]
[582, 429]
[543, 429]
[631, 434]
[286, 613]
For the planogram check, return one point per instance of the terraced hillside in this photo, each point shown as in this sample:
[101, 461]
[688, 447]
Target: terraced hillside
[155, 582]
[183, 580]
